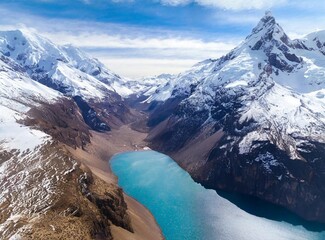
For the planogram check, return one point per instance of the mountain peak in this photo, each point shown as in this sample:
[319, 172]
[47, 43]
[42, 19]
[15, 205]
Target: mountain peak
[268, 15]
[266, 22]
[267, 30]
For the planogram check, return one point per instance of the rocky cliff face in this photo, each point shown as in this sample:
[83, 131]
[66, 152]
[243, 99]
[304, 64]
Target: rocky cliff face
[251, 121]
[48, 199]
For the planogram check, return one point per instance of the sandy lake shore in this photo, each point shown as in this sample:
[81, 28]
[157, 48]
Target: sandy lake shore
[96, 155]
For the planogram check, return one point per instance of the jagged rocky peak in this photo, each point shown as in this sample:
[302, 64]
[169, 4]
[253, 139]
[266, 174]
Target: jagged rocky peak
[268, 21]
[268, 50]
[268, 31]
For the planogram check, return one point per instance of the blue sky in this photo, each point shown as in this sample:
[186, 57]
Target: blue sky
[142, 37]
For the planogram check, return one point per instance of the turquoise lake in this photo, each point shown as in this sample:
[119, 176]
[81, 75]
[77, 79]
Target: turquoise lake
[187, 211]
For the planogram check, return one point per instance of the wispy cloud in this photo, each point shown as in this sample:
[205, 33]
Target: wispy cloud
[175, 2]
[128, 50]
[138, 56]
[223, 4]
[103, 40]
[136, 50]
[236, 5]
[139, 67]
[229, 4]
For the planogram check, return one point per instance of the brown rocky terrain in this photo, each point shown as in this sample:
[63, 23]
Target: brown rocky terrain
[65, 189]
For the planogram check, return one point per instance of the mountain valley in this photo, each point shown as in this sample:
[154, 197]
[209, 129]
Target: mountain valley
[250, 122]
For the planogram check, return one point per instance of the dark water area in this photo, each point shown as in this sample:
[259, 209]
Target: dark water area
[270, 211]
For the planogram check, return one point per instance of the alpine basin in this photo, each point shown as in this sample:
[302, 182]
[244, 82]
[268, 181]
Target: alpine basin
[187, 211]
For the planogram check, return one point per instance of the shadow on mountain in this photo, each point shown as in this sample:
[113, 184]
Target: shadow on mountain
[270, 211]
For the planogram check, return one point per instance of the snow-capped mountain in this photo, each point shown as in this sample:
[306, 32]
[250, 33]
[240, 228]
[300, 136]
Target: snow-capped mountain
[268, 43]
[251, 121]
[148, 86]
[18, 94]
[64, 68]
[71, 72]
[50, 98]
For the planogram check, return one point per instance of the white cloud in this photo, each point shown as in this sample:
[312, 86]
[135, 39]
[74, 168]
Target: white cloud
[239, 18]
[130, 51]
[134, 57]
[101, 40]
[230, 4]
[175, 2]
[141, 67]
[242, 4]
[301, 26]
[122, 1]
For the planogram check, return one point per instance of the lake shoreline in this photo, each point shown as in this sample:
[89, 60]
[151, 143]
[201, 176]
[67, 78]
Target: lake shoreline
[192, 211]
[96, 157]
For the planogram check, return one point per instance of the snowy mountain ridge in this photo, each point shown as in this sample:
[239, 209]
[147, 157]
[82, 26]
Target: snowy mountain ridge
[64, 68]
[18, 93]
[268, 43]
[251, 121]
[291, 70]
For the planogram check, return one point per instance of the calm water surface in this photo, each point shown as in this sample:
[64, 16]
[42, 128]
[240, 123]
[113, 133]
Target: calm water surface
[187, 211]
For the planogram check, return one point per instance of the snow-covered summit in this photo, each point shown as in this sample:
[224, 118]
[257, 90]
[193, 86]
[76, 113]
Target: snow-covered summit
[64, 68]
[297, 64]
[266, 22]
[268, 79]
[28, 48]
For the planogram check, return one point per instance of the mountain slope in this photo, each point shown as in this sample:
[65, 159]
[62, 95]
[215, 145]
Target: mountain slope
[71, 72]
[65, 68]
[51, 98]
[251, 121]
